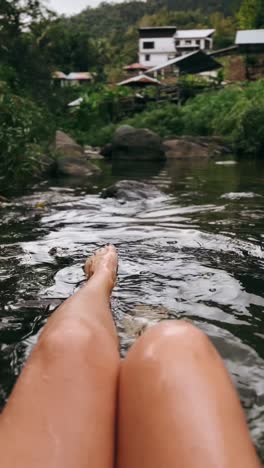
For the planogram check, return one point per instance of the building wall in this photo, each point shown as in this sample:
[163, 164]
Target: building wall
[163, 50]
[186, 45]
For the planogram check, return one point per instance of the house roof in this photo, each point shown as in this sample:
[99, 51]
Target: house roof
[252, 36]
[194, 62]
[58, 75]
[136, 66]
[157, 31]
[193, 33]
[164, 28]
[79, 76]
[140, 79]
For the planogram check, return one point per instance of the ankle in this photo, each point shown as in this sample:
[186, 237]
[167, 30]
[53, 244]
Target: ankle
[101, 281]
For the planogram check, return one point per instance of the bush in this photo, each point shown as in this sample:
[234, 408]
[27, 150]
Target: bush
[236, 113]
[24, 136]
[249, 139]
[165, 120]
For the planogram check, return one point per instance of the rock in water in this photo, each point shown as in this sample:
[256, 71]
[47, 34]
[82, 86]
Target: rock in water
[137, 144]
[131, 190]
[71, 159]
[194, 147]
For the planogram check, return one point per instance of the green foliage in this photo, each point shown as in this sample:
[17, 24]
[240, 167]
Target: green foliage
[93, 122]
[208, 6]
[251, 14]
[222, 113]
[166, 120]
[250, 136]
[35, 42]
[67, 47]
[24, 135]
[19, 49]
[235, 113]
[225, 29]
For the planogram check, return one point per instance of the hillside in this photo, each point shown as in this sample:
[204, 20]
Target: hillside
[112, 28]
[109, 17]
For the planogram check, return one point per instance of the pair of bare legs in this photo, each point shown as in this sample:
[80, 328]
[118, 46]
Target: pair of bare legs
[169, 404]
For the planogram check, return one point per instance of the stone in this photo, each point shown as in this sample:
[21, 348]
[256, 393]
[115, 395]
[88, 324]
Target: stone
[136, 144]
[131, 190]
[194, 147]
[107, 151]
[92, 153]
[71, 159]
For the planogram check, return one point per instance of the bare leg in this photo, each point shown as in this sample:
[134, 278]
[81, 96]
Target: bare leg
[177, 405]
[61, 413]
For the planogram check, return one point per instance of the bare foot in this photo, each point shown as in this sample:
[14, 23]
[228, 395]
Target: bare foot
[104, 263]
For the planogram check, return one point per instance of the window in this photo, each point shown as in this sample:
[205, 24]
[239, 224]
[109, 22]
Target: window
[198, 42]
[178, 42]
[188, 41]
[147, 57]
[148, 45]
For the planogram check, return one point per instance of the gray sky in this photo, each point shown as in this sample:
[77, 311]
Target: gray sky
[69, 7]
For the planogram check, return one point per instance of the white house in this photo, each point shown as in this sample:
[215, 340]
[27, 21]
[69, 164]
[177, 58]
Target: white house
[250, 40]
[191, 40]
[157, 45]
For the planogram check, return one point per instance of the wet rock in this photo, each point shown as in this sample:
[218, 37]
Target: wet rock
[3, 199]
[136, 144]
[131, 190]
[71, 159]
[107, 151]
[92, 152]
[194, 147]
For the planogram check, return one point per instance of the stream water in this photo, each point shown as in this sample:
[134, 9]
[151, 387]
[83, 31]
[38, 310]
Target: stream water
[192, 250]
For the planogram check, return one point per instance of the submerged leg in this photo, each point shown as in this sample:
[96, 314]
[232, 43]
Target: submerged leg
[177, 405]
[61, 413]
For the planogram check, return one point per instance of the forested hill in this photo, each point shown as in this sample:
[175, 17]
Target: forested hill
[112, 27]
[109, 17]
[208, 6]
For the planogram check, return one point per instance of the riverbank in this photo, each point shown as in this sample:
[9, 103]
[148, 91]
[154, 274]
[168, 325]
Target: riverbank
[235, 114]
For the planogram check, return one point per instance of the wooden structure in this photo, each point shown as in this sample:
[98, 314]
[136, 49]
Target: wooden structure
[140, 81]
[135, 68]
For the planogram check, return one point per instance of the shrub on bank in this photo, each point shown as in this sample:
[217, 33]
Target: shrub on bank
[24, 136]
[249, 138]
[236, 113]
[166, 120]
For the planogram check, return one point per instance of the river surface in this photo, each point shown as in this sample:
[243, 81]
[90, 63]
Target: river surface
[192, 249]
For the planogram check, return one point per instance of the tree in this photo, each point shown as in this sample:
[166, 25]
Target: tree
[19, 48]
[225, 29]
[251, 14]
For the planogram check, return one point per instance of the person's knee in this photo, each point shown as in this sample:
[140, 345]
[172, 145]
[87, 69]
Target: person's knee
[68, 338]
[74, 338]
[179, 339]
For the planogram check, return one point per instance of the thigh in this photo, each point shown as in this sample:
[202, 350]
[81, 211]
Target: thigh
[61, 413]
[177, 405]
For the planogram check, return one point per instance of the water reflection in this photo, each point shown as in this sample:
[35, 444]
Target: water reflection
[192, 249]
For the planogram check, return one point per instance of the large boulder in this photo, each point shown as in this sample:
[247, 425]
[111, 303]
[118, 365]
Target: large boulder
[136, 144]
[194, 147]
[71, 159]
[131, 190]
